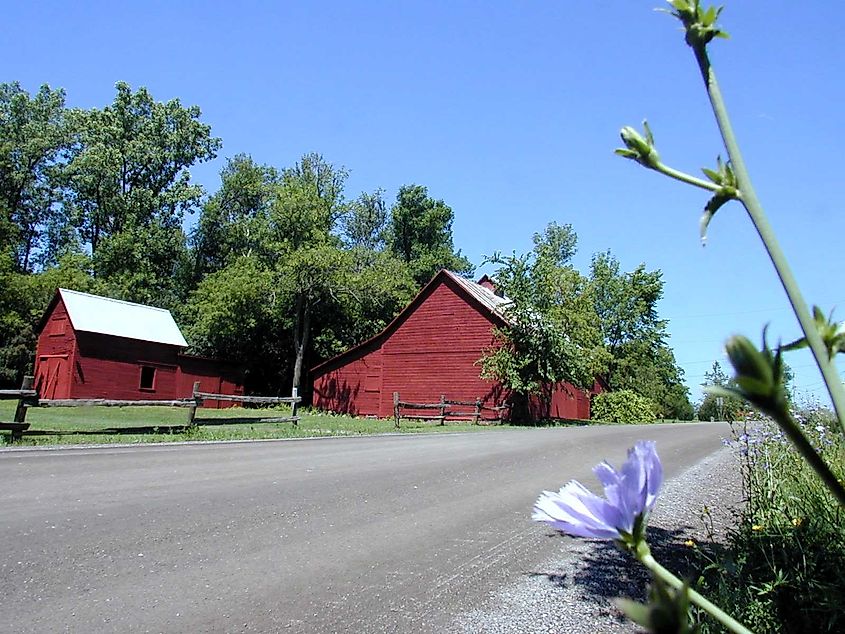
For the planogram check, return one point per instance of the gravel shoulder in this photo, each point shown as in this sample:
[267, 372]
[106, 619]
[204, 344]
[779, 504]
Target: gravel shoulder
[572, 592]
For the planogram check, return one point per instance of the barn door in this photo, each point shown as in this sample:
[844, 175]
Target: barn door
[51, 372]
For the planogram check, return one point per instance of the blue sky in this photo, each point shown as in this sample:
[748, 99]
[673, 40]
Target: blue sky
[509, 112]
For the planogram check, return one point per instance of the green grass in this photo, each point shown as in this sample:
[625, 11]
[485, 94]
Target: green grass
[97, 425]
[784, 568]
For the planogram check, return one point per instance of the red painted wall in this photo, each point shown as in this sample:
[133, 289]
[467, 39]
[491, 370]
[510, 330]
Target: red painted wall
[214, 376]
[435, 351]
[110, 367]
[54, 355]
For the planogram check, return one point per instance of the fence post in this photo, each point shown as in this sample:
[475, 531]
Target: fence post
[20, 410]
[295, 396]
[192, 409]
[476, 418]
[396, 408]
[442, 409]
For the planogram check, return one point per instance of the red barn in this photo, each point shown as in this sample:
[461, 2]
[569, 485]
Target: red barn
[431, 348]
[96, 347]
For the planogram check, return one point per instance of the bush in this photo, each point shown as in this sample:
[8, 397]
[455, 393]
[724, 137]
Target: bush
[622, 406]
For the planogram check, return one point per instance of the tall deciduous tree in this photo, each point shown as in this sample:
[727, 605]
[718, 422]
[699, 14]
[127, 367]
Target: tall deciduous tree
[552, 334]
[307, 208]
[129, 176]
[235, 221]
[420, 234]
[635, 335]
[33, 138]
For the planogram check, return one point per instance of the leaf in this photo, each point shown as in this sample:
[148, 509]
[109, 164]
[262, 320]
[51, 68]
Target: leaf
[712, 175]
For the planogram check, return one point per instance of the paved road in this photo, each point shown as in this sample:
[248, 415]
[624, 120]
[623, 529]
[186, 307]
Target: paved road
[377, 534]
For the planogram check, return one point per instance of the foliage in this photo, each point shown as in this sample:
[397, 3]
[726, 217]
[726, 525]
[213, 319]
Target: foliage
[235, 221]
[718, 407]
[785, 566]
[551, 335]
[622, 406]
[33, 138]
[420, 234]
[130, 164]
[635, 336]
[233, 314]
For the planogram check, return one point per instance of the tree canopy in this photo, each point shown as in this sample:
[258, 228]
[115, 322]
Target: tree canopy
[282, 267]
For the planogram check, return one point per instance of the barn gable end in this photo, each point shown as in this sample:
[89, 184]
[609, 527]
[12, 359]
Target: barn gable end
[431, 348]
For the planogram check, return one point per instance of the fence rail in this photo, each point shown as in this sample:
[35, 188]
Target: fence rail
[28, 398]
[443, 410]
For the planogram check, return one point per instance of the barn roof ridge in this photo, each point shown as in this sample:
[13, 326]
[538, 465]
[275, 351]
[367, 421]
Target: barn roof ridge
[481, 296]
[119, 318]
[112, 299]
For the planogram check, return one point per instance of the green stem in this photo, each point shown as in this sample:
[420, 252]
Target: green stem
[644, 555]
[686, 178]
[764, 230]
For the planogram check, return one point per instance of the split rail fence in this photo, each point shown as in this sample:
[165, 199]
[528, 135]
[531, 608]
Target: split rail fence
[443, 410]
[27, 398]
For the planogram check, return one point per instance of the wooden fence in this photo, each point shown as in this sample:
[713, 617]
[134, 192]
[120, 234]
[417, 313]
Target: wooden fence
[28, 397]
[444, 411]
[293, 400]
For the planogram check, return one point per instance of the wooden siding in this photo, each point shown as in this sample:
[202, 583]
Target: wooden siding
[54, 354]
[110, 367]
[354, 388]
[217, 377]
[435, 351]
[432, 348]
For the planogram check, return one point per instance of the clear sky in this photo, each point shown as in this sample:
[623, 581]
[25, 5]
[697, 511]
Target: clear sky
[509, 112]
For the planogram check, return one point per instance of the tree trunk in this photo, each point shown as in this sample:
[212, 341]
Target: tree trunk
[301, 332]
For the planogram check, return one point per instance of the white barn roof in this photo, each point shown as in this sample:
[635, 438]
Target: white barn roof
[106, 316]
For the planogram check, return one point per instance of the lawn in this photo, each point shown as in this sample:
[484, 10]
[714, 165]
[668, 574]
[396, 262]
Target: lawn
[96, 425]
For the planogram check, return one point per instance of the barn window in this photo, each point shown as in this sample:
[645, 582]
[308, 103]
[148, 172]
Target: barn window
[57, 327]
[148, 377]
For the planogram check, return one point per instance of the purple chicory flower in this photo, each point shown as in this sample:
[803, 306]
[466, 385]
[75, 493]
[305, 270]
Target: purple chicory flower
[630, 495]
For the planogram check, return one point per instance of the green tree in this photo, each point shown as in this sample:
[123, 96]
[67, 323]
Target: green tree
[635, 336]
[713, 407]
[33, 139]
[420, 234]
[552, 334]
[235, 221]
[234, 314]
[311, 267]
[128, 174]
[365, 225]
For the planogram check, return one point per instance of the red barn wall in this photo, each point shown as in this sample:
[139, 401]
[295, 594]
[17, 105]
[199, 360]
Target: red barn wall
[54, 354]
[218, 377]
[435, 351]
[110, 367]
[353, 388]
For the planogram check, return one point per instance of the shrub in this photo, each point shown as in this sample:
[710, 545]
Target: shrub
[622, 406]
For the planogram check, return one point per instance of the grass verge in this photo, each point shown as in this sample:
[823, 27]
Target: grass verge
[784, 568]
[98, 425]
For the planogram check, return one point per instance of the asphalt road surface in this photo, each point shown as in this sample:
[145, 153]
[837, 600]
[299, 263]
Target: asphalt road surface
[374, 534]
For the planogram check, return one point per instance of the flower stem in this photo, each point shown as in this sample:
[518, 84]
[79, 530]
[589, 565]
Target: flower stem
[686, 178]
[644, 555]
[764, 230]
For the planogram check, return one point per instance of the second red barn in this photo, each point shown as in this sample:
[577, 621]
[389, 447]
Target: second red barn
[432, 348]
